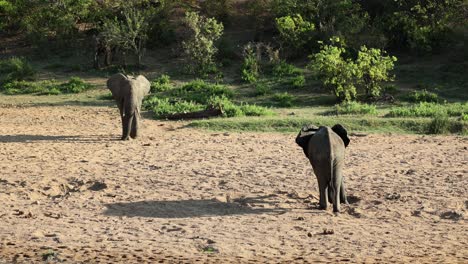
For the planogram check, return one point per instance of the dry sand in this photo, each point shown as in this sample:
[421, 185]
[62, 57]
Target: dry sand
[70, 191]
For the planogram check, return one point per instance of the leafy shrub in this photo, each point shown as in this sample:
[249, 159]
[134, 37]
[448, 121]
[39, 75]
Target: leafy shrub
[284, 99]
[250, 70]
[298, 81]
[74, 85]
[355, 108]
[335, 72]
[343, 75]
[294, 30]
[423, 96]
[162, 107]
[283, 69]
[425, 109]
[374, 68]
[15, 69]
[200, 92]
[229, 108]
[464, 117]
[200, 47]
[262, 89]
[254, 110]
[161, 84]
[48, 87]
[26, 87]
[440, 124]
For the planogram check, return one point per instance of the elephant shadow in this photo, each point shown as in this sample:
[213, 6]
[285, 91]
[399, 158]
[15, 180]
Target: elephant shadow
[184, 209]
[38, 138]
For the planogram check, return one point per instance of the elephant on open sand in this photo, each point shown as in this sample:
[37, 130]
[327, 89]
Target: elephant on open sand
[325, 149]
[128, 92]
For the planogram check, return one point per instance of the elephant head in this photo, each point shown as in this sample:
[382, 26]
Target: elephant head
[325, 147]
[128, 92]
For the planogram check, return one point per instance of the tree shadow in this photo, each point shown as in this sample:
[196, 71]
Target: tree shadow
[184, 209]
[39, 138]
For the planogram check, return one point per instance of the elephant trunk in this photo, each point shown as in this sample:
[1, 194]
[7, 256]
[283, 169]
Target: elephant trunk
[130, 108]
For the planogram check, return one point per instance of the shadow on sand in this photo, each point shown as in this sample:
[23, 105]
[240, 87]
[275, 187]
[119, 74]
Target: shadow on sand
[39, 138]
[184, 209]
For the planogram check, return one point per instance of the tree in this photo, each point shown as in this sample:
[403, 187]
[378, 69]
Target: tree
[200, 47]
[129, 32]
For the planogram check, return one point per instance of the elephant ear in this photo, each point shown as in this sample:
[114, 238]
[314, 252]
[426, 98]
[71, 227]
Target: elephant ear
[304, 136]
[341, 131]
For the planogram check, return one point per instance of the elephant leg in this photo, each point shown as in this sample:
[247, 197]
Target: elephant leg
[323, 194]
[343, 198]
[330, 194]
[126, 126]
[336, 185]
[134, 132]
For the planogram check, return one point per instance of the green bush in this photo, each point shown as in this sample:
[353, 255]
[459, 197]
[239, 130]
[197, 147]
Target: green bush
[254, 110]
[374, 68]
[423, 96]
[250, 70]
[440, 124]
[48, 87]
[294, 31]
[162, 107]
[262, 89]
[200, 47]
[200, 92]
[15, 69]
[283, 69]
[284, 99]
[425, 109]
[338, 72]
[228, 107]
[161, 84]
[355, 108]
[298, 81]
[74, 85]
[335, 72]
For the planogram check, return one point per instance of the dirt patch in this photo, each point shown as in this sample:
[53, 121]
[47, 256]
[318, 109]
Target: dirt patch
[71, 191]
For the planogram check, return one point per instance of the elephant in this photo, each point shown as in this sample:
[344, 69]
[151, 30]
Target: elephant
[325, 149]
[128, 92]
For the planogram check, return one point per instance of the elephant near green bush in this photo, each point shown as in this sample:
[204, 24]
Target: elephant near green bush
[325, 149]
[128, 92]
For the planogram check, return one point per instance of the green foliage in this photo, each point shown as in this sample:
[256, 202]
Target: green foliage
[128, 32]
[355, 108]
[15, 69]
[294, 30]
[74, 85]
[162, 107]
[262, 88]
[326, 18]
[298, 81]
[200, 47]
[219, 9]
[254, 110]
[283, 69]
[48, 87]
[200, 92]
[423, 96]
[284, 99]
[43, 21]
[335, 72]
[440, 124]
[343, 75]
[425, 109]
[198, 95]
[250, 70]
[420, 25]
[374, 68]
[161, 84]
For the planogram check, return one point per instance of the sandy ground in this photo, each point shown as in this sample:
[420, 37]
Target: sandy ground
[70, 191]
